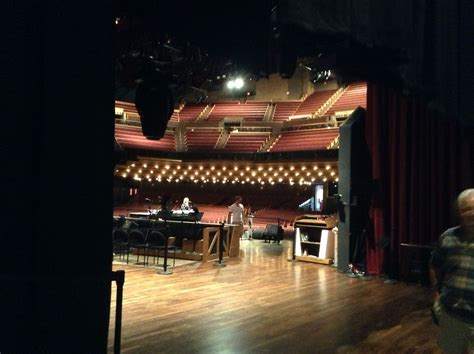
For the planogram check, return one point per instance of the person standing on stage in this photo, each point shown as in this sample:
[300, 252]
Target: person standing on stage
[250, 222]
[236, 213]
[452, 264]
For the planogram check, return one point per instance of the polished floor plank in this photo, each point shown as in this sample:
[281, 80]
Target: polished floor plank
[261, 303]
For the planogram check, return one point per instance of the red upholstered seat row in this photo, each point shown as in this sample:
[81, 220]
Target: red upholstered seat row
[249, 110]
[201, 139]
[245, 142]
[191, 112]
[317, 139]
[355, 95]
[313, 102]
[132, 137]
[285, 109]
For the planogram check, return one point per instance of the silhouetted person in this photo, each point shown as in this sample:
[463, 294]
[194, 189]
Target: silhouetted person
[453, 272]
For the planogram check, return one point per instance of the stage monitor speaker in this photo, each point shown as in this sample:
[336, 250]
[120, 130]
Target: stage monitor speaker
[154, 103]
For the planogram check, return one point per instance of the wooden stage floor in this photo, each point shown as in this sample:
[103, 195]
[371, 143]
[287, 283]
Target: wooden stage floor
[261, 303]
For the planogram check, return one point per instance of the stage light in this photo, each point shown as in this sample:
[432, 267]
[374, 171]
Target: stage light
[337, 179]
[128, 170]
[230, 84]
[315, 168]
[124, 175]
[333, 173]
[297, 174]
[200, 167]
[320, 174]
[328, 167]
[325, 179]
[133, 165]
[140, 170]
[156, 166]
[144, 165]
[178, 167]
[167, 167]
[238, 83]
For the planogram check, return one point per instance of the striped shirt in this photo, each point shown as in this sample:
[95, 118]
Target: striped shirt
[453, 261]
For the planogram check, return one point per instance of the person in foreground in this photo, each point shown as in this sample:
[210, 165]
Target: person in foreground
[452, 265]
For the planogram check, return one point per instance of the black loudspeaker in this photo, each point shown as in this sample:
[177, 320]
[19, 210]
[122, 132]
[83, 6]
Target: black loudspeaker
[154, 103]
[354, 189]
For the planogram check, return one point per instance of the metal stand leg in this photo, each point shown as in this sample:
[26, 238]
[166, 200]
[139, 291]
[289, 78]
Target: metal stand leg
[165, 270]
[220, 262]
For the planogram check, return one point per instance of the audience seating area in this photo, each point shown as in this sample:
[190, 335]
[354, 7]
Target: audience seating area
[250, 110]
[245, 142]
[297, 140]
[128, 133]
[201, 139]
[354, 96]
[285, 109]
[313, 102]
[191, 112]
[132, 137]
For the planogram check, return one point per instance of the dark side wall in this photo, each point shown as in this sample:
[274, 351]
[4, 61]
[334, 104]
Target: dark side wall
[55, 287]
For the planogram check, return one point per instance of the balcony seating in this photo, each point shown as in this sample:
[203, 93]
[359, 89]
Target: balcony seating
[201, 139]
[285, 109]
[250, 110]
[313, 102]
[245, 142]
[191, 112]
[298, 140]
[354, 96]
[132, 137]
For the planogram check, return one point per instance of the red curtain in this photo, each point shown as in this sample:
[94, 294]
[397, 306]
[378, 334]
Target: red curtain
[421, 160]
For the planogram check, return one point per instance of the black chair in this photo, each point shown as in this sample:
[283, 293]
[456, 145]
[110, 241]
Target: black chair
[137, 241]
[273, 232]
[156, 243]
[120, 243]
[270, 233]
